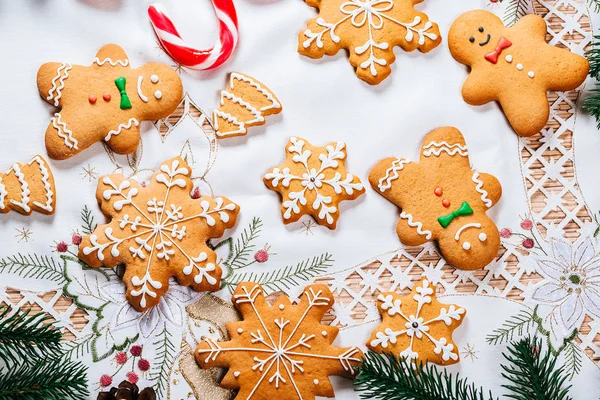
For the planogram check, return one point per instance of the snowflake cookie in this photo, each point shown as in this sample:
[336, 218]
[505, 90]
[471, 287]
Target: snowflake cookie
[442, 199]
[417, 327]
[280, 351]
[105, 101]
[313, 180]
[514, 66]
[158, 231]
[369, 29]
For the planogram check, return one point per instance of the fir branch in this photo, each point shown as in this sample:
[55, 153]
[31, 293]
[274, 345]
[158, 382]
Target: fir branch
[77, 349]
[533, 374]
[165, 355]
[515, 10]
[595, 5]
[573, 359]
[514, 326]
[284, 278]
[25, 338]
[591, 104]
[244, 246]
[48, 379]
[33, 266]
[385, 377]
[88, 222]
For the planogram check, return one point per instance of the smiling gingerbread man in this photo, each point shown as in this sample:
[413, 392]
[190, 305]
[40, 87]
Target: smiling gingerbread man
[442, 199]
[514, 66]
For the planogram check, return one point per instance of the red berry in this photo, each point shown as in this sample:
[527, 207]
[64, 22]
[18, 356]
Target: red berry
[261, 256]
[505, 233]
[76, 239]
[196, 194]
[528, 243]
[527, 224]
[136, 350]
[143, 365]
[106, 96]
[61, 247]
[121, 358]
[132, 377]
[92, 99]
[105, 380]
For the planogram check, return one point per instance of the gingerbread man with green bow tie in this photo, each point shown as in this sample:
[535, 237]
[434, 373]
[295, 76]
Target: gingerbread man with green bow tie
[442, 199]
[514, 66]
[105, 101]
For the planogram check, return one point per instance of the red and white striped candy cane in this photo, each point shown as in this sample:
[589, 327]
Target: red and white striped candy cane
[187, 56]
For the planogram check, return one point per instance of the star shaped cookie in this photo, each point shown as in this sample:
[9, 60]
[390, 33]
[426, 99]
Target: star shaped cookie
[369, 29]
[280, 351]
[105, 101]
[158, 231]
[513, 66]
[417, 327]
[313, 180]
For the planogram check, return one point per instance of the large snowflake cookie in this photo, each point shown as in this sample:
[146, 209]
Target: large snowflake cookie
[369, 29]
[28, 187]
[514, 66]
[313, 180]
[442, 199]
[245, 103]
[105, 101]
[158, 231]
[280, 351]
[417, 327]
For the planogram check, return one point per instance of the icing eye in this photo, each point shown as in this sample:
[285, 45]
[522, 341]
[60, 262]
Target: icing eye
[482, 237]
[466, 245]
[154, 78]
[480, 29]
[472, 39]
[158, 94]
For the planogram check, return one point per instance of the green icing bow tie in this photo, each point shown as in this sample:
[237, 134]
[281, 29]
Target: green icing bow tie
[463, 211]
[125, 102]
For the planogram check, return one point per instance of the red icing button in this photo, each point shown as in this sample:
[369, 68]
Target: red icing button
[438, 192]
[92, 99]
[106, 96]
[446, 203]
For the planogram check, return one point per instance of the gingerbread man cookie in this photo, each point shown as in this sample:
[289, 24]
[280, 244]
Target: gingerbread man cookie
[105, 101]
[514, 66]
[369, 29]
[280, 351]
[442, 199]
[158, 231]
[313, 180]
[417, 327]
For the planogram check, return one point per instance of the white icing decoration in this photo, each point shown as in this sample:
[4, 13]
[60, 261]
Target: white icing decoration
[482, 237]
[236, 374]
[391, 174]
[531, 74]
[230, 96]
[139, 89]
[3, 194]
[158, 94]
[274, 103]
[113, 63]
[466, 246]
[58, 83]
[446, 147]
[465, 227]
[154, 78]
[316, 381]
[324, 333]
[132, 121]
[509, 58]
[231, 119]
[25, 192]
[479, 188]
[63, 132]
[520, 67]
[281, 307]
[417, 224]
[49, 193]
[240, 330]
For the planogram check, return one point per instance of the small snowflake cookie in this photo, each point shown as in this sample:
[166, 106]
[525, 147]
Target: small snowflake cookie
[28, 187]
[369, 29]
[442, 199]
[417, 327]
[105, 101]
[245, 103]
[158, 231]
[313, 180]
[280, 351]
[514, 66]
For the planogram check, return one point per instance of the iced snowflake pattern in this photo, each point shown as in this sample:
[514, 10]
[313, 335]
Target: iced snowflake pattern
[369, 29]
[158, 231]
[280, 351]
[313, 176]
[417, 327]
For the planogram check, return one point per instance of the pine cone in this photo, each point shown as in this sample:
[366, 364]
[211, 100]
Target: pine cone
[128, 391]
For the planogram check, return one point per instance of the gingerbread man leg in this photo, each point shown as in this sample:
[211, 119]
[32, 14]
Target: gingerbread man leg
[527, 113]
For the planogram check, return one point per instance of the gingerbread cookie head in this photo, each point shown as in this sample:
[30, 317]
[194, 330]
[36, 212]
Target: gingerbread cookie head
[442, 199]
[105, 101]
[473, 35]
[158, 231]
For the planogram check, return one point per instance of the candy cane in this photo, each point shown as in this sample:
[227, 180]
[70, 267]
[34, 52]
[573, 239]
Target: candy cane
[187, 56]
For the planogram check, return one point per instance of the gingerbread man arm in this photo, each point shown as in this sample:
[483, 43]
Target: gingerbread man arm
[410, 231]
[569, 70]
[475, 91]
[111, 55]
[489, 187]
[124, 137]
[67, 135]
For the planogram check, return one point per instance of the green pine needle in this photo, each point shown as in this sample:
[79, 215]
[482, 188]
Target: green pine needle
[532, 372]
[47, 379]
[515, 10]
[591, 104]
[88, 222]
[244, 246]
[27, 338]
[514, 326]
[165, 355]
[33, 266]
[385, 377]
[595, 4]
[573, 359]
